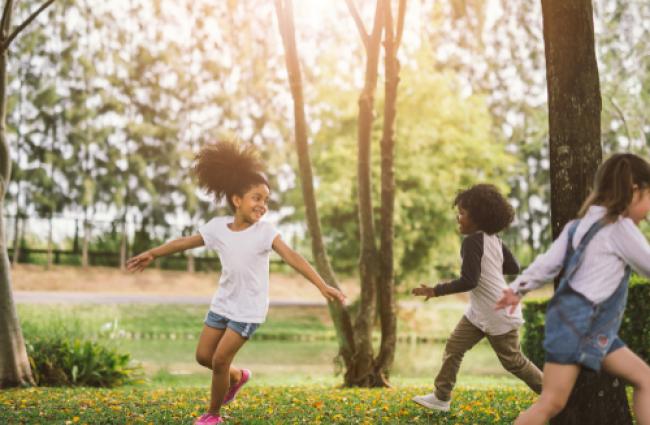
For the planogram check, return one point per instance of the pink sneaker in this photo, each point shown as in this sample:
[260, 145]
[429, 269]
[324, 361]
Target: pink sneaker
[232, 392]
[209, 419]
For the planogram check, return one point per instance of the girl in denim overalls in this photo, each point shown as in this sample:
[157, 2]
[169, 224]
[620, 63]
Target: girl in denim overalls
[594, 254]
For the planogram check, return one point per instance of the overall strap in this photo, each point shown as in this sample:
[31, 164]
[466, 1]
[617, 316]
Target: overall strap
[574, 257]
[569, 245]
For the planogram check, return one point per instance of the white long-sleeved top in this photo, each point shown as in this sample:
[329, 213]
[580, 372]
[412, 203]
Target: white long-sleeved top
[603, 266]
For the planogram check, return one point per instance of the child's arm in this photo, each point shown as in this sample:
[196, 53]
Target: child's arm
[630, 244]
[472, 252]
[470, 270]
[140, 262]
[301, 265]
[510, 263]
[545, 267]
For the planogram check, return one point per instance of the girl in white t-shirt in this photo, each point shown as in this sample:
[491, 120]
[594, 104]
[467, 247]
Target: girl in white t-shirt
[244, 244]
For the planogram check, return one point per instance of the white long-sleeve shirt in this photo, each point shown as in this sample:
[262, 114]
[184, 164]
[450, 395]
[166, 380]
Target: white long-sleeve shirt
[603, 266]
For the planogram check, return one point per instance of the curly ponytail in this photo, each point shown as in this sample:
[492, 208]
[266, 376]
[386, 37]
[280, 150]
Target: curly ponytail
[225, 169]
[614, 182]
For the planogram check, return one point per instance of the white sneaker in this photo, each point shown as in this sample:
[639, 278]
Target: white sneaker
[430, 401]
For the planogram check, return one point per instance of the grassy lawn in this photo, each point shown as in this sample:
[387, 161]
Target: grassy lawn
[162, 338]
[311, 404]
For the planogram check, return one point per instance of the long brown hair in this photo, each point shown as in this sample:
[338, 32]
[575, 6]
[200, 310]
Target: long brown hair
[227, 168]
[614, 183]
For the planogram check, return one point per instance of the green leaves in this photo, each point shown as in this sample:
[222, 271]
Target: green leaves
[58, 361]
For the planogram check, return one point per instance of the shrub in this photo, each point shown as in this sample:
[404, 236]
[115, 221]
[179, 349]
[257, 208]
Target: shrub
[635, 329]
[74, 362]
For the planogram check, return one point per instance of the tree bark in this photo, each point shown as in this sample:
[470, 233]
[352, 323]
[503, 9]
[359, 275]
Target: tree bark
[340, 316]
[574, 104]
[369, 261]
[385, 282]
[123, 245]
[17, 232]
[14, 364]
[48, 266]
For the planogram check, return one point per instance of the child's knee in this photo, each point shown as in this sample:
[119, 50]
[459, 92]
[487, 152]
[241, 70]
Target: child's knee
[220, 363]
[643, 379]
[454, 350]
[513, 364]
[203, 360]
[552, 404]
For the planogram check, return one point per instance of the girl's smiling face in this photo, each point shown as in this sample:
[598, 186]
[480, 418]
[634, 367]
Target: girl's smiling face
[254, 204]
[640, 205]
[465, 224]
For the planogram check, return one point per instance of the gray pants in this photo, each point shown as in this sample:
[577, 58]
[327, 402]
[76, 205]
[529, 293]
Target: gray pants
[506, 346]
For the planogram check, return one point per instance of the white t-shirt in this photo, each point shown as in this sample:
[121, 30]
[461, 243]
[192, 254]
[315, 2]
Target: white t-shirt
[243, 293]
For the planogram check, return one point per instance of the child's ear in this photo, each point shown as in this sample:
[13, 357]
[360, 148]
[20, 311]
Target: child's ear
[236, 201]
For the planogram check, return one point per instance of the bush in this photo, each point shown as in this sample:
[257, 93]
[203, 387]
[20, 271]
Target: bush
[74, 362]
[635, 329]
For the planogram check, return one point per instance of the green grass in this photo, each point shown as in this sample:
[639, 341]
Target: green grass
[163, 338]
[313, 404]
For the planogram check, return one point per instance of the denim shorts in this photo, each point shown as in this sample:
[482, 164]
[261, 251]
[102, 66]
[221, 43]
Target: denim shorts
[580, 333]
[217, 321]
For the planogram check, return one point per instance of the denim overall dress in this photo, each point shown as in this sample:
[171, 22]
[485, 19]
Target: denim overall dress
[579, 331]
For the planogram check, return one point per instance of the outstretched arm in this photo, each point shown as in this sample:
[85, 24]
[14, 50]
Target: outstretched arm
[141, 261]
[301, 265]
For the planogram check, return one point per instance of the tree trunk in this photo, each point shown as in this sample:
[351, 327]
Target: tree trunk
[191, 266]
[340, 316]
[17, 237]
[14, 364]
[386, 283]
[123, 245]
[575, 152]
[369, 262]
[574, 105]
[84, 243]
[48, 266]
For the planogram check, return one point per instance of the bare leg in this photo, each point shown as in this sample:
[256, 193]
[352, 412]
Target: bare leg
[624, 364]
[206, 347]
[557, 384]
[228, 346]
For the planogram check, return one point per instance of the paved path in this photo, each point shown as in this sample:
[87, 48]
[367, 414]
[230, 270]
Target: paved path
[41, 297]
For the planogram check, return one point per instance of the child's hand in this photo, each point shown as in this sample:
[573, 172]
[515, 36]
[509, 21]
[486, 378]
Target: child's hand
[331, 293]
[140, 262]
[509, 299]
[424, 290]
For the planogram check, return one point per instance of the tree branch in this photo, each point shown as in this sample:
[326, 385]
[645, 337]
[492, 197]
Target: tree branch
[401, 14]
[19, 28]
[357, 20]
[621, 115]
[279, 12]
[388, 20]
[377, 26]
[5, 15]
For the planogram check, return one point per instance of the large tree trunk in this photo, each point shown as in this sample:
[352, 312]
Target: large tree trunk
[574, 105]
[575, 152]
[386, 283]
[14, 364]
[341, 317]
